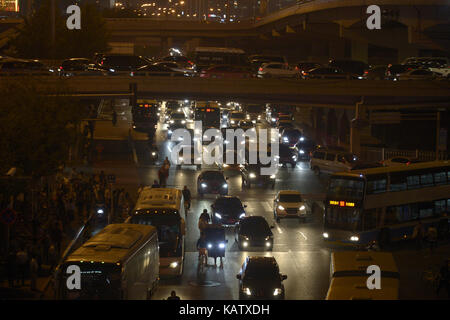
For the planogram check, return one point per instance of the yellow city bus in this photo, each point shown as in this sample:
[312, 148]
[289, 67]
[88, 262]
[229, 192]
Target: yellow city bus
[348, 273]
[119, 262]
[164, 209]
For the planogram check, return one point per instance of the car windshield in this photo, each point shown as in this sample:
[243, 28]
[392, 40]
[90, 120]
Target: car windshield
[212, 175]
[290, 198]
[261, 271]
[254, 227]
[228, 202]
[340, 188]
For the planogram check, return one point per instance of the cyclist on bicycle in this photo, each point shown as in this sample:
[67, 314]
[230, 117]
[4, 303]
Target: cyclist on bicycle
[201, 247]
[187, 197]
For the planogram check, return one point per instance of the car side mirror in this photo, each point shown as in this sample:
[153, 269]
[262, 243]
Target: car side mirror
[238, 276]
[283, 277]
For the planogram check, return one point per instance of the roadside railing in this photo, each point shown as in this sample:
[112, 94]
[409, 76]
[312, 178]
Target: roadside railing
[381, 154]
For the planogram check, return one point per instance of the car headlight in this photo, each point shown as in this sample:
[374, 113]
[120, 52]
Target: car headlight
[169, 131]
[225, 185]
[203, 185]
[302, 139]
[285, 139]
[233, 122]
[171, 121]
[259, 117]
[173, 265]
[325, 235]
[277, 292]
[280, 207]
[247, 291]
[183, 121]
[209, 245]
[273, 119]
[301, 151]
[252, 175]
[267, 238]
[268, 244]
[294, 157]
[272, 176]
[218, 215]
[245, 244]
[242, 215]
[302, 208]
[222, 245]
[153, 153]
[354, 238]
[100, 211]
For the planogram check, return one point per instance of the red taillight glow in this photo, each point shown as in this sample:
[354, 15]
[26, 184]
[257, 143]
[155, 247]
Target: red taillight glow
[260, 69]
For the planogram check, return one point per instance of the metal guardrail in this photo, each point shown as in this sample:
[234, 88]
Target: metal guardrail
[380, 154]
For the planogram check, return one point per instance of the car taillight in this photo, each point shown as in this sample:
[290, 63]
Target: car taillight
[260, 69]
[366, 72]
[305, 73]
[296, 68]
[190, 62]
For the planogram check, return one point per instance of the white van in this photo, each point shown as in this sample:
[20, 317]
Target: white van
[331, 161]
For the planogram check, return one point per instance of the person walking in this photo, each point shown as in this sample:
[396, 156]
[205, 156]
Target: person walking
[418, 235]
[33, 273]
[114, 118]
[187, 197]
[22, 261]
[432, 237]
[173, 296]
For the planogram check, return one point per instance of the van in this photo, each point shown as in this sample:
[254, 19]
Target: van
[331, 161]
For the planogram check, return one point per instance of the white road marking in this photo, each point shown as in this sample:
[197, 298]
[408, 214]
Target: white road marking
[303, 235]
[279, 229]
[267, 206]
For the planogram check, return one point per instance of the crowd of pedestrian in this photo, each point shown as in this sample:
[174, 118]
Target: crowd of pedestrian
[60, 207]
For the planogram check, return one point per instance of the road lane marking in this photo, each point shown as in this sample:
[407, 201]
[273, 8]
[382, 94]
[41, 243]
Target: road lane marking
[267, 206]
[279, 229]
[303, 235]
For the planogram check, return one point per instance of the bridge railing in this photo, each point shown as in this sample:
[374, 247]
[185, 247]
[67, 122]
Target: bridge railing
[381, 154]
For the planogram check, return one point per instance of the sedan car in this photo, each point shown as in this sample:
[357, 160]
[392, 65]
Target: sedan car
[290, 204]
[287, 155]
[325, 73]
[260, 278]
[277, 70]
[254, 231]
[228, 210]
[234, 117]
[291, 137]
[418, 74]
[251, 175]
[212, 182]
[246, 124]
[177, 119]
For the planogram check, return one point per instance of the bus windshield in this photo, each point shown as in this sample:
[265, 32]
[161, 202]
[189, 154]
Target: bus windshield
[340, 188]
[98, 281]
[169, 232]
[348, 219]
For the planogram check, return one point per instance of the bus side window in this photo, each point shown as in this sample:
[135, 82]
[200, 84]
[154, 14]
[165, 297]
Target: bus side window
[440, 178]
[398, 182]
[439, 207]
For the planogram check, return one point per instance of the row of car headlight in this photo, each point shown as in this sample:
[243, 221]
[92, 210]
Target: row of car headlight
[248, 292]
[252, 176]
[352, 238]
[204, 185]
[220, 245]
[301, 208]
[219, 216]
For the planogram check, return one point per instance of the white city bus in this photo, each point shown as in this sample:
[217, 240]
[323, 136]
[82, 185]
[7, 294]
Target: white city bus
[164, 209]
[385, 204]
[120, 262]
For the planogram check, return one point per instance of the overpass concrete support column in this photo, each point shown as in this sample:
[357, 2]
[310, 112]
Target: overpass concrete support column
[357, 125]
[337, 49]
[360, 51]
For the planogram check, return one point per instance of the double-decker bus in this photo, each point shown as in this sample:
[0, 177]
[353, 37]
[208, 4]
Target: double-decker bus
[164, 209]
[273, 112]
[381, 205]
[208, 113]
[119, 262]
[145, 115]
[205, 57]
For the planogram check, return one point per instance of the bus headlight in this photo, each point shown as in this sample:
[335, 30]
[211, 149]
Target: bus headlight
[218, 215]
[252, 175]
[173, 265]
[325, 235]
[280, 208]
[354, 238]
[272, 176]
[183, 121]
[277, 292]
[302, 208]
[222, 245]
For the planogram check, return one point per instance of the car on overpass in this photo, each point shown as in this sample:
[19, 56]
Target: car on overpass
[304, 66]
[418, 74]
[331, 160]
[114, 63]
[326, 73]
[156, 70]
[174, 67]
[375, 73]
[257, 60]
[277, 70]
[234, 117]
[182, 61]
[353, 67]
